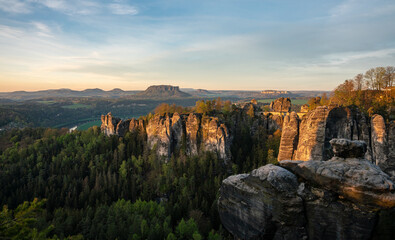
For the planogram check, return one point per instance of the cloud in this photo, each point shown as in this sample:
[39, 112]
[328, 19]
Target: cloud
[346, 57]
[14, 6]
[71, 7]
[43, 29]
[10, 32]
[122, 9]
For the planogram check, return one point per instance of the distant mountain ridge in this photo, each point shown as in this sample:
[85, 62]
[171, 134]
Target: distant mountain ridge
[65, 93]
[152, 92]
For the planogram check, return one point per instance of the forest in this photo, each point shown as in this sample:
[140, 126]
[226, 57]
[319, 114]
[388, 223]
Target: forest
[85, 185]
[57, 184]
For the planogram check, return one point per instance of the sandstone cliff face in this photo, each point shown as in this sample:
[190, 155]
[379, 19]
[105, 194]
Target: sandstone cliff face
[379, 141]
[215, 137]
[192, 126]
[289, 137]
[109, 124]
[159, 134]
[391, 150]
[337, 199]
[169, 133]
[136, 125]
[122, 127]
[281, 105]
[318, 127]
[273, 121]
[312, 135]
[263, 204]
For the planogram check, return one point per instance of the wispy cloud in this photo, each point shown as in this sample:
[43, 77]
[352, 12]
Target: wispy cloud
[14, 6]
[10, 32]
[71, 7]
[346, 57]
[122, 9]
[42, 29]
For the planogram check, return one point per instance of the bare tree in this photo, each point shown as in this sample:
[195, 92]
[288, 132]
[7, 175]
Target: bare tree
[389, 76]
[358, 82]
[376, 78]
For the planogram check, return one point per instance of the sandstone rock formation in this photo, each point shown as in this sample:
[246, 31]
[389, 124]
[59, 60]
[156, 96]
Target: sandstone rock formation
[289, 137]
[390, 168]
[281, 105]
[136, 125]
[273, 121]
[337, 199]
[122, 127]
[312, 135]
[109, 124]
[379, 141]
[159, 134]
[304, 108]
[318, 127]
[215, 137]
[263, 204]
[169, 132]
[192, 126]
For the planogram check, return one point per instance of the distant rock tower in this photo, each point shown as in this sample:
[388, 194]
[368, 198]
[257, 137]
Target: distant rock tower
[281, 105]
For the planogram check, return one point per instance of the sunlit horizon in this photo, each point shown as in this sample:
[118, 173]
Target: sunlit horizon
[214, 45]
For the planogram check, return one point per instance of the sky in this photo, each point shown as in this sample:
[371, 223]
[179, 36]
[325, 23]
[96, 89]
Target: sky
[209, 44]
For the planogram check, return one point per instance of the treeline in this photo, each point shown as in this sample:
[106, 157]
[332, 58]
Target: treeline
[99, 187]
[201, 106]
[372, 92]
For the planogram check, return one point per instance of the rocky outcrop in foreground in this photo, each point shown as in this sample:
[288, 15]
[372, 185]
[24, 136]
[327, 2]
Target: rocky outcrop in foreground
[167, 133]
[342, 198]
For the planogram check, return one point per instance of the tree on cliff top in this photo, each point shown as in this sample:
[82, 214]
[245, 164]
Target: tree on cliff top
[373, 92]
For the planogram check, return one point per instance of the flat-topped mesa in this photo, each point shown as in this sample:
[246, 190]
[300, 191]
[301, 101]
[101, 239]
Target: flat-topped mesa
[341, 198]
[281, 105]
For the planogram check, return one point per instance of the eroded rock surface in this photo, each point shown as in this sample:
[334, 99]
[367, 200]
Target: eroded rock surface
[136, 125]
[318, 127]
[273, 121]
[192, 133]
[312, 135]
[341, 198]
[345, 148]
[379, 141]
[390, 168]
[168, 133]
[122, 127]
[289, 137]
[159, 134]
[215, 137]
[109, 124]
[281, 105]
[262, 205]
